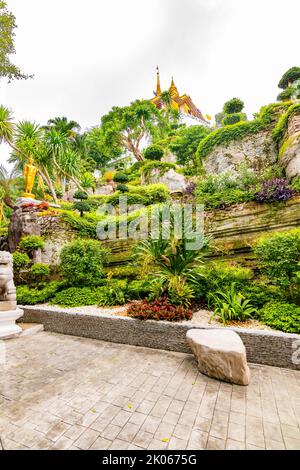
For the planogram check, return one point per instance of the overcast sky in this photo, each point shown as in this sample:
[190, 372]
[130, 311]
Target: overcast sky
[90, 55]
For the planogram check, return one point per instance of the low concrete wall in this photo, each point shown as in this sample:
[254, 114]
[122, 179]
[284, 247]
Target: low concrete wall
[263, 347]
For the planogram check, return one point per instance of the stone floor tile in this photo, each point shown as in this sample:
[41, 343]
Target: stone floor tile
[111, 432]
[231, 444]
[87, 439]
[274, 445]
[151, 424]
[213, 443]
[100, 444]
[176, 443]
[118, 444]
[129, 432]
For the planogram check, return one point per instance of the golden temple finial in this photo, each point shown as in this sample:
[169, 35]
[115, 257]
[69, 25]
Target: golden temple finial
[158, 89]
[173, 89]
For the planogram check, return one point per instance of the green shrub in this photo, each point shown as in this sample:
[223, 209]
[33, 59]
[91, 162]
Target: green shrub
[21, 260]
[86, 227]
[154, 152]
[286, 94]
[235, 105]
[30, 243]
[77, 297]
[282, 124]
[267, 116]
[120, 177]
[81, 195]
[230, 305]
[139, 289]
[40, 271]
[81, 262]
[132, 199]
[29, 296]
[230, 119]
[281, 316]
[295, 185]
[279, 257]
[162, 168]
[261, 293]
[3, 231]
[220, 276]
[122, 272]
[154, 193]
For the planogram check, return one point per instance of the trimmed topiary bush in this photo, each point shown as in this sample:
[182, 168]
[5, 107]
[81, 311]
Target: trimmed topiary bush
[82, 207]
[154, 152]
[81, 195]
[21, 260]
[235, 105]
[230, 119]
[289, 77]
[123, 188]
[30, 243]
[120, 177]
[81, 262]
[40, 271]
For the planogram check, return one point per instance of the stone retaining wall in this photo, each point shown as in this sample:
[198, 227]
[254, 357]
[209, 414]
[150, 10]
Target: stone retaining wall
[263, 347]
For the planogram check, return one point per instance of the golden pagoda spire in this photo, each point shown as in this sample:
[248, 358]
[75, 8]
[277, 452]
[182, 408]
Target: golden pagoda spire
[158, 89]
[173, 89]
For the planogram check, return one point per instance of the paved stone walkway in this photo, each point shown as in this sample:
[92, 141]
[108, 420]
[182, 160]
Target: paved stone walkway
[63, 392]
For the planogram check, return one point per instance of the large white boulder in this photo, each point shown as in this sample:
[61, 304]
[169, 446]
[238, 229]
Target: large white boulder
[220, 354]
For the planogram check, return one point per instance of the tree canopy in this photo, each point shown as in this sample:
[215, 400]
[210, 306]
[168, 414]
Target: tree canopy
[127, 127]
[185, 145]
[289, 77]
[7, 26]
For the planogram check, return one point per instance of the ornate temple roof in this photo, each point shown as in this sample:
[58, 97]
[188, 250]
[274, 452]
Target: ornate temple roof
[182, 103]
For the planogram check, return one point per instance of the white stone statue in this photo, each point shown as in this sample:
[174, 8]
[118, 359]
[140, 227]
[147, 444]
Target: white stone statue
[9, 312]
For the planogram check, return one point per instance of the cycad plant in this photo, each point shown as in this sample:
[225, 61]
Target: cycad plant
[230, 305]
[172, 266]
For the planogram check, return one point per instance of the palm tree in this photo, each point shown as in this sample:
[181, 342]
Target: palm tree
[29, 141]
[63, 126]
[66, 161]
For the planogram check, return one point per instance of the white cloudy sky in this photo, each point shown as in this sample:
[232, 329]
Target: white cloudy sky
[90, 55]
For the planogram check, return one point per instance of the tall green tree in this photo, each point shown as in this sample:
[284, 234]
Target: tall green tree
[7, 27]
[127, 127]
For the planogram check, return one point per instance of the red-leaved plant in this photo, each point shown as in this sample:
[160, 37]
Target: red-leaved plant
[159, 309]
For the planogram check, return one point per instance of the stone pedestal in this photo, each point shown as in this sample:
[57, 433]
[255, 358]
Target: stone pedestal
[8, 327]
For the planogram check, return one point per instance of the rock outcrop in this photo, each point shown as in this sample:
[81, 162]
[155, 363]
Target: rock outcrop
[174, 181]
[289, 152]
[256, 151]
[220, 354]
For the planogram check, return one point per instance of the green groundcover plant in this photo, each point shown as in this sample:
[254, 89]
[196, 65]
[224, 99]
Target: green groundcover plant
[281, 316]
